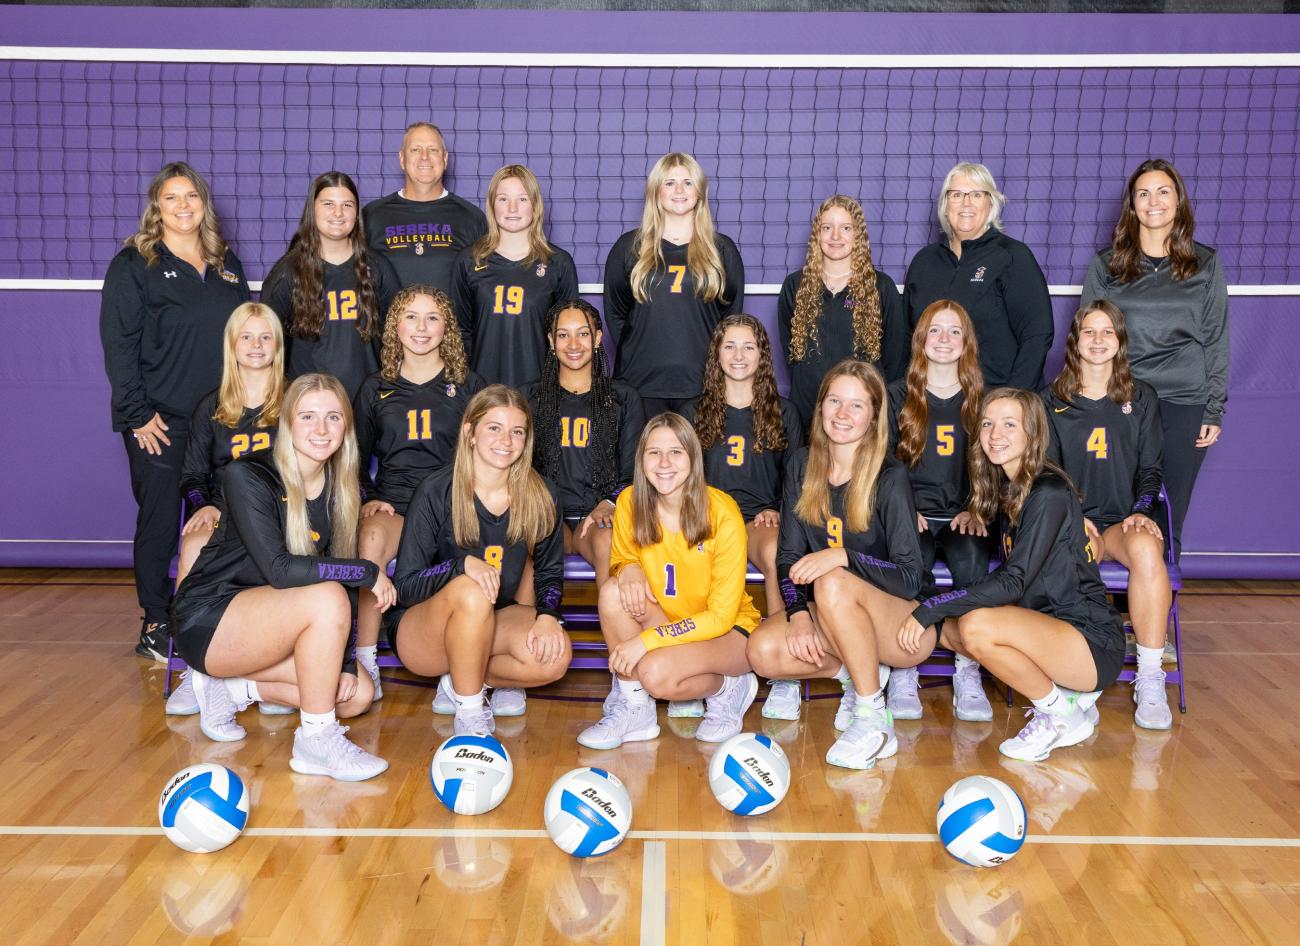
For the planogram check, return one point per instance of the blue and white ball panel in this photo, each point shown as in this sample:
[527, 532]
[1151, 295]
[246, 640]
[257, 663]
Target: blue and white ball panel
[471, 775]
[749, 774]
[588, 812]
[203, 808]
[982, 821]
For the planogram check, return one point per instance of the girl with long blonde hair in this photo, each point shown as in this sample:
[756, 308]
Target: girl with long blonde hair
[839, 305]
[848, 535]
[933, 414]
[1040, 622]
[667, 284]
[676, 615]
[408, 418]
[474, 530]
[504, 285]
[266, 612]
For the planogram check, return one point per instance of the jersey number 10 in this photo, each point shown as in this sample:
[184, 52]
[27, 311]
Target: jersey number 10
[575, 431]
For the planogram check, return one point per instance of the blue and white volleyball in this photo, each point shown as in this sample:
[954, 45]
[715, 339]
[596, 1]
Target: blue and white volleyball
[471, 775]
[203, 808]
[981, 821]
[749, 774]
[588, 812]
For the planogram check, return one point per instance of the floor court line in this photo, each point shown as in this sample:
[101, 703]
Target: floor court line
[654, 897]
[651, 836]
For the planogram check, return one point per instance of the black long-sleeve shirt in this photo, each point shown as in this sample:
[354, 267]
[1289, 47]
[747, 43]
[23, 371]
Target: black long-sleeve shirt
[1047, 568]
[752, 478]
[421, 238]
[340, 350]
[662, 342]
[1112, 452]
[248, 548]
[1000, 285]
[888, 554]
[835, 338]
[940, 483]
[577, 492]
[1177, 331]
[211, 445]
[501, 305]
[161, 327]
[428, 557]
[411, 428]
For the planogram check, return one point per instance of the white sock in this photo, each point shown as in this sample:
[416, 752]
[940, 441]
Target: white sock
[1055, 703]
[471, 702]
[242, 691]
[1150, 659]
[367, 655]
[313, 724]
[871, 703]
[882, 672]
[726, 682]
[633, 691]
[961, 660]
[842, 675]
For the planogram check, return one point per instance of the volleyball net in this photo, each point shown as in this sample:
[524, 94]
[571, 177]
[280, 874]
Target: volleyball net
[79, 141]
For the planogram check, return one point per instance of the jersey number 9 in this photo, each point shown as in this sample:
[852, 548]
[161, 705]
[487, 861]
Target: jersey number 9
[835, 532]
[492, 555]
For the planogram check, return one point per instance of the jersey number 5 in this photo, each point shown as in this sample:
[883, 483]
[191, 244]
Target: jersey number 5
[946, 442]
[1097, 443]
[242, 443]
[509, 300]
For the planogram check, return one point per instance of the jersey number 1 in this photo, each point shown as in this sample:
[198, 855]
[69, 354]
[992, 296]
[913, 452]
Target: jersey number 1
[670, 580]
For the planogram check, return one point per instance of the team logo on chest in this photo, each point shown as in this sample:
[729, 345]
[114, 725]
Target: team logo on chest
[541, 270]
[419, 249]
[979, 274]
[229, 277]
[451, 390]
[1127, 408]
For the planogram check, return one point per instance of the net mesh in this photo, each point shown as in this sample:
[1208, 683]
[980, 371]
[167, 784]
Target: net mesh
[79, 142]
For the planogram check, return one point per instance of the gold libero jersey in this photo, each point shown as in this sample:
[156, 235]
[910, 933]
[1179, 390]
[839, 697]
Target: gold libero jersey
[701, 588]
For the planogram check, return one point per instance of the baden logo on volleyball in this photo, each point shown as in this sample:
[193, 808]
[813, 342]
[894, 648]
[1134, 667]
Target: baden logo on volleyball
[588, 812]
[749, 774]
[203, 808]
[471, 775]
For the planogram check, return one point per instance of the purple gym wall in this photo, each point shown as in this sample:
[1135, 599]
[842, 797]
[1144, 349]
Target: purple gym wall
[82, 139]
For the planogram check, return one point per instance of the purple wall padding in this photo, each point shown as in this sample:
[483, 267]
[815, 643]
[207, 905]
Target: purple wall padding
[78, 141]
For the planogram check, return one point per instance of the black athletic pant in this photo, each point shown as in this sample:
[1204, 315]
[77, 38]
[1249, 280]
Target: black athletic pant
[156, 484]
[654, 406]
[1181, 424]
[967, 556]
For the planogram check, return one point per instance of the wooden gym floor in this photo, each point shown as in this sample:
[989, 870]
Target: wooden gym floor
[1191, 836]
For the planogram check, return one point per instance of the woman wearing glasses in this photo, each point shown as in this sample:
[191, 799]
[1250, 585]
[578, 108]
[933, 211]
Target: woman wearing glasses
[995, 278]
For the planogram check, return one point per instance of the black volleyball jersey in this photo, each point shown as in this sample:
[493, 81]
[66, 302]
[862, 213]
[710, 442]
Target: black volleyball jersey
[411, 428]
[835, 338]
[1047, 567]
[1112, 452]
[212, 445]
[662, 342]
[340, 350]
[248, 548]
[577, 492]
[501, 305]
[888, 554]
[162, 326]
[428, 557]
[421, 238]
[751, 477]
[940, 482]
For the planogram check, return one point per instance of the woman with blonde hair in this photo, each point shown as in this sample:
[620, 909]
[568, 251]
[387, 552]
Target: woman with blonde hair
[667, 284]
[268, 607]
[992, 276]
[676, 614]
[504, 284]
[848, 535]
[839, 306]
[166, 300]
[473, 529]
[408, 418]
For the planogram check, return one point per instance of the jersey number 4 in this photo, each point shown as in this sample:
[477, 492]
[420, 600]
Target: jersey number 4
[243, 443]
[509, 300]
[1097, 443]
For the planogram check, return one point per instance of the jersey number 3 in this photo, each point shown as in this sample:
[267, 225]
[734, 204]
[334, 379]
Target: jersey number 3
[736, 454]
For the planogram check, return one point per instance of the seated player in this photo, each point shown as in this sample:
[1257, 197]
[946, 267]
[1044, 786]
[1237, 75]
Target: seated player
[1106, 434]
[1040, 622]
[472, 530]
[263, 615]
[588, 426]
[848, 534]
[329, 290]
[505, 284]
[677, 616]
[745, 430]
[933, 414]
[408, 417]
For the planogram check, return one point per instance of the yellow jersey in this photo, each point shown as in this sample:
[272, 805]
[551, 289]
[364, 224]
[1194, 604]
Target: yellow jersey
[700, 588]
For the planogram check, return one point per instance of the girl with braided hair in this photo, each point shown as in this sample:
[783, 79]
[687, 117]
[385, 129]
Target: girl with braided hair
[587, 430]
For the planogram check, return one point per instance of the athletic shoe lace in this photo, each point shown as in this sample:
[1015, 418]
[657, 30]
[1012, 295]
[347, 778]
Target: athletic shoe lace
[1150, 687]
[1040, 724]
